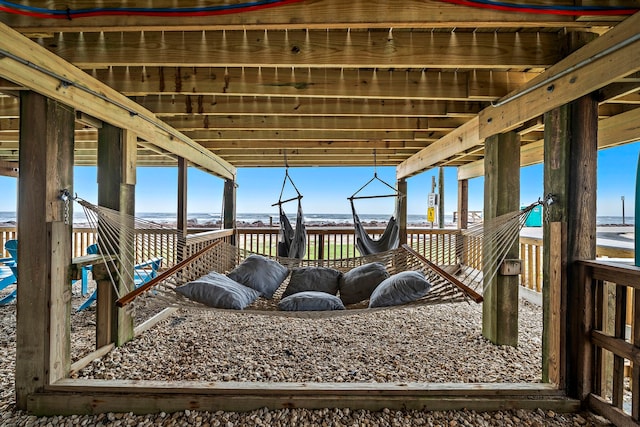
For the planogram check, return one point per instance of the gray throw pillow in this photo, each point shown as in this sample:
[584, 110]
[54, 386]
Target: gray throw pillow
[399, 289]
[310, 301]
[321, 279]
[260, 273]
[217, 290]
[358, 283]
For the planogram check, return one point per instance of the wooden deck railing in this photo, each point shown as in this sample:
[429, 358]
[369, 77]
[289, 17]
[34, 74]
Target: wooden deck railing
[442, 246]
[609, 331]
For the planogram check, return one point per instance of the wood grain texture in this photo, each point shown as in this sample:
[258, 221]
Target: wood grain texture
[317, 49]
[589, 77]
[44, 255]
[308, 15]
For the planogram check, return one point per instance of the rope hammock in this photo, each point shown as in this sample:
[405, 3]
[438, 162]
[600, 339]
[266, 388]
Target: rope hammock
[390, 238]
[454, 268]
[292, 243]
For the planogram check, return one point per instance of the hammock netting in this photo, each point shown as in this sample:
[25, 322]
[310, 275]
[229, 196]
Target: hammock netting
[458, 266]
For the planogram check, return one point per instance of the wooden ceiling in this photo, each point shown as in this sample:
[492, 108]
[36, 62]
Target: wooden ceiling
[322, 82]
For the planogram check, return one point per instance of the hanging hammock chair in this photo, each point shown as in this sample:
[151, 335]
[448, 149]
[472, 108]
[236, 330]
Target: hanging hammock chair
[464, 268]
[390, 238]
[292, 243]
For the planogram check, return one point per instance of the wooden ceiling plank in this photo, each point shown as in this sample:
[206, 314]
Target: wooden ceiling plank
[542, 95]
[354, 145]
[464, 137]
[309, 124]
[318, 49]
[119, 110]
[617, 90]
[313, 83]
[297, 135]
[178, 105]
[308, 15]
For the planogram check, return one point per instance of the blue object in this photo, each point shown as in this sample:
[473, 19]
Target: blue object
[142, 273]
[9, 272]
[535, 217]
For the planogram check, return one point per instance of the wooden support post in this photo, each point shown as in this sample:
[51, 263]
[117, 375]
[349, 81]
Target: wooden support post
[116, 190]
[182, 207]
[401, 209]
[229, 207]
[501, 196]
[581, 241]
[556, 157]
[462, 220]
[43, 331]
[557, 263]
[440, 197]
[570, 150]
[463, 203]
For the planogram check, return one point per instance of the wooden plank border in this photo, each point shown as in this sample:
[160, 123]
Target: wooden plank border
[88, 396]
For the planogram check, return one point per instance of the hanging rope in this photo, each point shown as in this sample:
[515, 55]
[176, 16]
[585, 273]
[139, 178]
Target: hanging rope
[390, 238]
[125, 240]
[291, 242]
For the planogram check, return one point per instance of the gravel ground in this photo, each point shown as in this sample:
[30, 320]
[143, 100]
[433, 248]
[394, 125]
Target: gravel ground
[439, 343]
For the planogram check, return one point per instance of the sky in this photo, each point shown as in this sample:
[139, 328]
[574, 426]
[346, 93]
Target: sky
[326, 189]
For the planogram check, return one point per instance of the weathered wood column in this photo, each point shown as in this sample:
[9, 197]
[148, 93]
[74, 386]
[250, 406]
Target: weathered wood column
[440, 197]
[229, 206]
[401, 209]
[570, 149]
[570, 176]
[463, 203]
[181, 224]
[501, 196]
[463, 220]
[116, 190]
[556, 167]
[44, 253]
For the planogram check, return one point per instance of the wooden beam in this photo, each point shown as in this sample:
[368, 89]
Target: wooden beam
[9, 168]
[619, 129]
[362, 124]
[462, 138]
[43, 329]
[602, 61]
[355, 14]
[612, 131]
[213, 135]
[176, 105]
[212, 105]
[59, 80]
[324, 48]
[355, 145]
[9, 107]
[314, 83]
[82, 396]
[617, 90]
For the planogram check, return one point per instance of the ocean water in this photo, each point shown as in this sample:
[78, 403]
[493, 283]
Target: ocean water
[210, 219]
